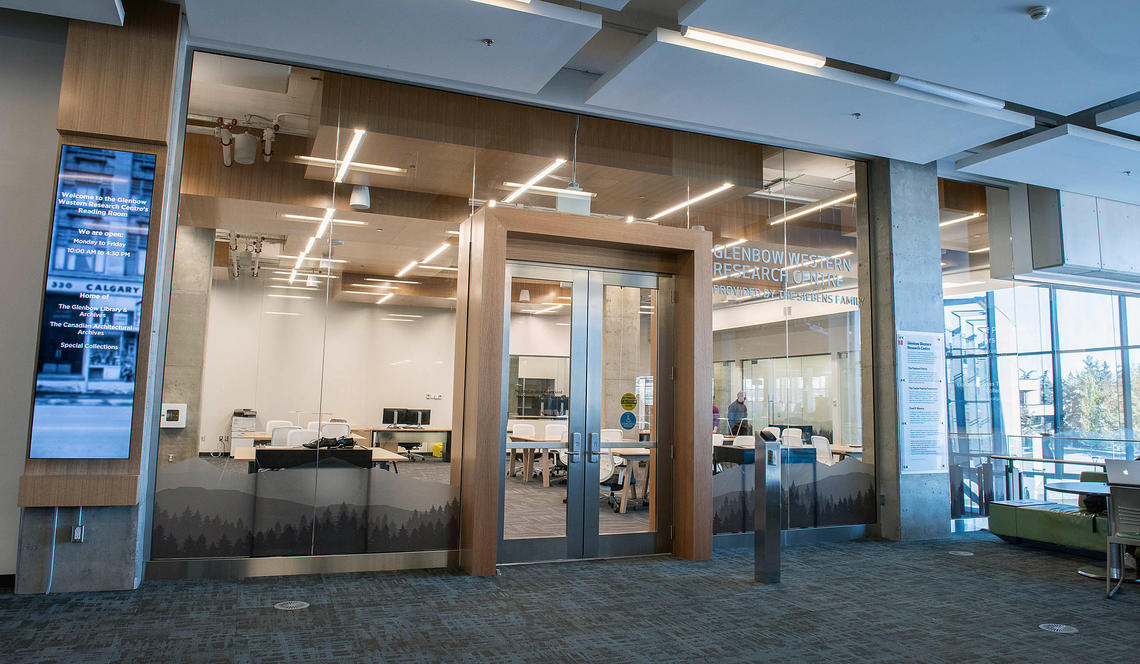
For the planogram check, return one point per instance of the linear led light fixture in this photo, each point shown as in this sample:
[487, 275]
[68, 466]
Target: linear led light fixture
[399, 320]
[754, 47]
[290, 297]
[301, 217]
[947, 92]
[533, 181]
[360, 292]
[353, 146]
[438, 267]
[959, 220]
[695, 199]
[983, 250]
[309, 246]
[386, 286]
[959, 284]
[804, 211]
[308, 288]
[453, 232]
[315, 258]
[281, 313]
[355, 166]
[407, 269]
[305, 274]
[407, 315]
[439, 250]
[392, 281]
[385, 298]
[552, 191]
[325, 221]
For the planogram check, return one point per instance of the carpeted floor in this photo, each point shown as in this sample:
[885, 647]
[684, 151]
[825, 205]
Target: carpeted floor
[850, 602]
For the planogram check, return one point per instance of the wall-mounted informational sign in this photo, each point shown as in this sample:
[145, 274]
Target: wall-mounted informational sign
[922, 401]
[85, 369]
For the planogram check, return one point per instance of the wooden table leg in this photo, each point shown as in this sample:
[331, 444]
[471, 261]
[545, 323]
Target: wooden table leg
[649, 468]
[528, 464]
[511, 470]
[546, 468]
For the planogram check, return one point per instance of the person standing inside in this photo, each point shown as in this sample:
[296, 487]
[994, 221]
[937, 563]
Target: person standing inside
[738, 415]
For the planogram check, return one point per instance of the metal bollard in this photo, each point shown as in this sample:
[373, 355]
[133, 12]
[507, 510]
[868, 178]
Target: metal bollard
[768, 506]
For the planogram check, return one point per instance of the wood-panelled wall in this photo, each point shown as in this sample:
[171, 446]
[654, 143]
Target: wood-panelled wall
[116, 94]
[487, 240]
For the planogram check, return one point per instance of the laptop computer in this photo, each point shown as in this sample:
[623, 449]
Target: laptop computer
[1123, 472]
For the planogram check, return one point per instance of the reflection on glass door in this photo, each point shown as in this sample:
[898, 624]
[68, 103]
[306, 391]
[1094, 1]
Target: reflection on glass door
[579, 455]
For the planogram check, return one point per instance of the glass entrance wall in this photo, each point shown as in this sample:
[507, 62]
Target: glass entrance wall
[1032, 370]
[314, 293]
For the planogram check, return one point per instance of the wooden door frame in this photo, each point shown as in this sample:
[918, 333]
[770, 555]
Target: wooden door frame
[494, 235]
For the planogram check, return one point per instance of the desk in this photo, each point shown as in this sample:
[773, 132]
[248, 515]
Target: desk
[528, 445]
[392, 439]
[265, 437]
[631, 455]
[379, 455]
[1097, 489]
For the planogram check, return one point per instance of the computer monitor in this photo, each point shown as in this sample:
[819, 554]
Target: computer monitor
[391, 415]
[425, 416]
[407, 416]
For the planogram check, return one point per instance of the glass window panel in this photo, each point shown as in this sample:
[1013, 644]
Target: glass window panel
[1132, 318]
[1087, 320]
[1021, 316]
[1092, 404]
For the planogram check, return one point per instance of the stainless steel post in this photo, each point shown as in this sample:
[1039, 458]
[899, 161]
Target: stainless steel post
[768, 505]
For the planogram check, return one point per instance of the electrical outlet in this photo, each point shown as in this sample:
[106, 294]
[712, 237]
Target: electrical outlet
[78, 533]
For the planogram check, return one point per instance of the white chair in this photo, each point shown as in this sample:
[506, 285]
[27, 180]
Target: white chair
[744, 441]
[793, 437]
[281, 435]
[298, 437]
[313, 426]
[556, 432]
[335, 430]
[823, 450]
[717, 439]
[273, 424]
[612, 435]
[775, 431]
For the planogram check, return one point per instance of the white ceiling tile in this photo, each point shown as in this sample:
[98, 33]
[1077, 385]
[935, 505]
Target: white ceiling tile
[1069, 158]
[665, 76]
[97, 11]
[1124, 118]
[1084, 54]
[437, 38]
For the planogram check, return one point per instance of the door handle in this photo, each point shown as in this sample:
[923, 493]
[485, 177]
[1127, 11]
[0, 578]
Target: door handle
[594, 449]
[575, 444]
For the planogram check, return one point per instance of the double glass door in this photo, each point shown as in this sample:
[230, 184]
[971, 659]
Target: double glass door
[586, 414]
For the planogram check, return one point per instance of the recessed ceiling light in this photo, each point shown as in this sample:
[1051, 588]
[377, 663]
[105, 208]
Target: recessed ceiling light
[301, 217]
[399, 320]
[354, 166]
[386, 286]
[281, 313]
[391, 281]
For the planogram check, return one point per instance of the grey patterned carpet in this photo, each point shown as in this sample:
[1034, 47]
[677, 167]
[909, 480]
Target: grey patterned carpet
[850, 602]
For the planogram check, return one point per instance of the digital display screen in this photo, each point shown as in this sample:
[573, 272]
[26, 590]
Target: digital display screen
[89, 332]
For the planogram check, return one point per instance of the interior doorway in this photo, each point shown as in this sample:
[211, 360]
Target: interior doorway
[582, 470]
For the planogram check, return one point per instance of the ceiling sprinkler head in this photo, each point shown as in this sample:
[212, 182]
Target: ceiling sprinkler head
[487, 41]
[1038, 12]
[856, 115]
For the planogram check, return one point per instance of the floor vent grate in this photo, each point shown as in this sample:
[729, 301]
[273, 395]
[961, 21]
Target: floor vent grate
[291, 605]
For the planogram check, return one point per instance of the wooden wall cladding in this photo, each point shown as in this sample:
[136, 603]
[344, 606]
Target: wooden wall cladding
[117, 81]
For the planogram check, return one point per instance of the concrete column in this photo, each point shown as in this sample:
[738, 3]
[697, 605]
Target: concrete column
[906, 277]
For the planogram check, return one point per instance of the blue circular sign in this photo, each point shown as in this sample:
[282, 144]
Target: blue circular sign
[628, 420]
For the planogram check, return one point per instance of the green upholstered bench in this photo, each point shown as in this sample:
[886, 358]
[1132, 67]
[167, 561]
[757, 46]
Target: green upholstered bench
[1049, 522]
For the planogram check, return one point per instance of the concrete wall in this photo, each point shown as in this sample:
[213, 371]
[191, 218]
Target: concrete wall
[907, 282]
[31, 68]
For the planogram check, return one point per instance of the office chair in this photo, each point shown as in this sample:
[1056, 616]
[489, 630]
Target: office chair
[335, 430]
[823, 450]
[555, 432]
[793, 437]
[313, 426]
[1123, 529]
[270, 425]
[298, 437]
[744, 441]
[775, 431]
[280, 437]
[717, 439]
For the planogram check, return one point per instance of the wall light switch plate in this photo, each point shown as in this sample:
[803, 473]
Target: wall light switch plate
[77, 533]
